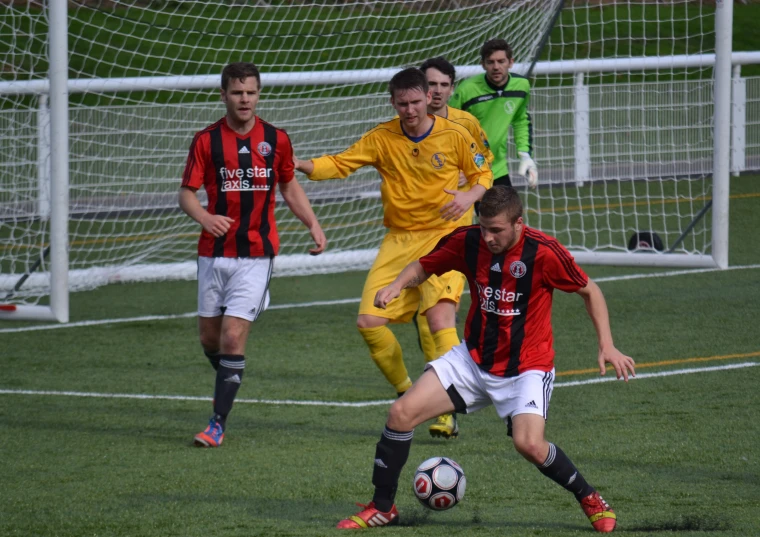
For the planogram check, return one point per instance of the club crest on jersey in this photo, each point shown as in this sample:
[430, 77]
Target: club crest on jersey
[264, 149]
[509, 107]
[517, 269]
[438, 160]
[479, 160]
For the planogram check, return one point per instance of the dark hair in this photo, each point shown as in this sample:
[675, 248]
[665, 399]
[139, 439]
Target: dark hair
[239, 71]
[492, 45]
[501, 199]
[442, 64]
[411, 78]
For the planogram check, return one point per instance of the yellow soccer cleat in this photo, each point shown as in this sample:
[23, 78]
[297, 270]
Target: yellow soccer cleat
[445, 427]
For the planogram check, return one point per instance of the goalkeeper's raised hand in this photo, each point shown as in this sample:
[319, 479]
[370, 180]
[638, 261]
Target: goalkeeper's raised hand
[528, 169]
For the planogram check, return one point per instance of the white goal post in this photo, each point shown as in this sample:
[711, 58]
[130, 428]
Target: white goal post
[624, 143]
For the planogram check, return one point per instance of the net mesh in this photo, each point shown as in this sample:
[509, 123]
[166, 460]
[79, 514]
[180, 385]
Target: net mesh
[647, 133]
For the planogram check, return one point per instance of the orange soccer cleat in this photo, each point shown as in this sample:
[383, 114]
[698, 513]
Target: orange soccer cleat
[599, 513]
[369, 517]
[212, 436]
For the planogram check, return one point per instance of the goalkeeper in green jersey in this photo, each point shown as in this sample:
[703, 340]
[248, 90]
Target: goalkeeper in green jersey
[499, 99]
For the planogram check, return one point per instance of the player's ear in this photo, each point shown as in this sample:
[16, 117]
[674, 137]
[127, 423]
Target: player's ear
[223, 95]
[511, 63]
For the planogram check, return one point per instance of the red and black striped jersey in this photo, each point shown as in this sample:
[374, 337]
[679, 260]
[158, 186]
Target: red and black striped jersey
[508, 329]
[239, 173]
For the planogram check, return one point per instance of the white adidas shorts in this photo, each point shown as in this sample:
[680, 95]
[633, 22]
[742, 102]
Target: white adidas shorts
[234, 286]
[527, 393]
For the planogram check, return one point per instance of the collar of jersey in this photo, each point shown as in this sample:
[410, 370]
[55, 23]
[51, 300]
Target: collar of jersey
[497, 88]
[417, 139]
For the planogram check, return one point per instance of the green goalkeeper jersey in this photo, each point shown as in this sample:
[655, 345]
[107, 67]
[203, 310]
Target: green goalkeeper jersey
[497, 108]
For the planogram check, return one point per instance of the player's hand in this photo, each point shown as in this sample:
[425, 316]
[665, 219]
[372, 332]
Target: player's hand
[528, 169]
[462, 179]
[318, 236]
[385, 295]
[624, 365]
[217, 225]
[303, 166]
[454, 209]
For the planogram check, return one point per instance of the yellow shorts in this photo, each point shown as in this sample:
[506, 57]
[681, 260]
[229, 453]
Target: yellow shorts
[398, 249]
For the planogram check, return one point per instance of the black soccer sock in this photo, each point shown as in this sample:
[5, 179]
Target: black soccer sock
[559, 468]
[228, 379]
[391, 454]
[213, 358]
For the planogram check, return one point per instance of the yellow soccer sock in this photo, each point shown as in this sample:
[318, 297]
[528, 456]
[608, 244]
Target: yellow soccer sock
[427, 343]
[386, 353]
[445, 340]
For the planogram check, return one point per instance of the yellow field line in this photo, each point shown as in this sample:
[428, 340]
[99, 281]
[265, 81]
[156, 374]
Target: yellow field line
[666, 362]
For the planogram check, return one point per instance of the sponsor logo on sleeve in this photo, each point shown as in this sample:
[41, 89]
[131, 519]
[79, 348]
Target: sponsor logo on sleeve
[479, 160]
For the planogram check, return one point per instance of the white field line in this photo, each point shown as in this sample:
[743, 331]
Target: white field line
[337, 302]
[290, 402]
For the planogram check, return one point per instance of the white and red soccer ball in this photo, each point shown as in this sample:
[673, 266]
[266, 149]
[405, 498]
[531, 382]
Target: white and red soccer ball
[439, 483]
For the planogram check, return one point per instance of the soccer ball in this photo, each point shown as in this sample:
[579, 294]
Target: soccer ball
[439, 483]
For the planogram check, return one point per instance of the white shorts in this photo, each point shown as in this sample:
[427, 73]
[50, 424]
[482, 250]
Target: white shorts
[234, 286]
[471, 388]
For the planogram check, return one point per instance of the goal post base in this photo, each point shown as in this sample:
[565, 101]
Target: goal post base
[22, 312]
[644, 259]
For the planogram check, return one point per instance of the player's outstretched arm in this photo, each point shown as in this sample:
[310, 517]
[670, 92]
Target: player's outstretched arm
[295, 197]
[412, 276]
[215, 224]
[596, 306]
[303, 166]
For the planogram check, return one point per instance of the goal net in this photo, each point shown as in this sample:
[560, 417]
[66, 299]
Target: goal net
[620, 147]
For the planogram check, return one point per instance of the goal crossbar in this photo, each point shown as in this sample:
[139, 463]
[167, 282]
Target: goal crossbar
[304, 78]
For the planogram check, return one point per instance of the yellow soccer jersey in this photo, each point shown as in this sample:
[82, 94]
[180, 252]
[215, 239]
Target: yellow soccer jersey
[413, 174]
[471, 123]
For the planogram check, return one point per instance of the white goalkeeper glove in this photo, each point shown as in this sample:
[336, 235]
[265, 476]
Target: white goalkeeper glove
[528, 169]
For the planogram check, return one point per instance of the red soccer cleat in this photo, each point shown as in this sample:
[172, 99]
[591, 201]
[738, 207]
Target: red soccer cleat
[599, 513]
[369, 517]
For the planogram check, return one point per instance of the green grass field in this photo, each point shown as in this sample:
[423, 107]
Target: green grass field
[674, 455]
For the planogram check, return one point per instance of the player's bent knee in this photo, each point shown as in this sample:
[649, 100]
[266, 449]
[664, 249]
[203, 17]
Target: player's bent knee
[370, 321]
[400, 418]
[442, 316]
[209, 343]
[534, 451]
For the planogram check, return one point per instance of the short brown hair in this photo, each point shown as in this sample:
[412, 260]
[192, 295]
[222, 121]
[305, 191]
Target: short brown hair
[501, 199]
[492, 45]
[442, 64]
[410, 78]
[239, 71]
